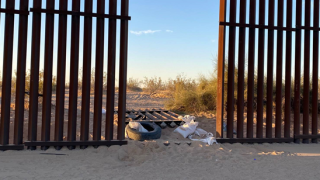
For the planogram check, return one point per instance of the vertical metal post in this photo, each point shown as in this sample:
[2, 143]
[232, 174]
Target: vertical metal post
[262, 9]
[315, 72]
[21, 72]
[231, 66]
[252, 19]
[74, 69]
[279, 71]
[287, 111]
[87, 44]
[123, 69]
[306, 72]
[241, 62]
[270, 70]
[47, 84]
[297, 70]
[111, 69]
[34, 80]
[222, 17]
[7, 74]
[99, 72]
[62, 45]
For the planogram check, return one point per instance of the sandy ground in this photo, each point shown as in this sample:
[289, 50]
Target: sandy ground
[154, 160]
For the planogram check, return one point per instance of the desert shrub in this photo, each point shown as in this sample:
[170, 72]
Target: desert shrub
[134, 85]
[153, 85]
[190, 95]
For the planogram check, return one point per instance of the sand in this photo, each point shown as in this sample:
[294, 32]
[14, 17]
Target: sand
[178, 160]
[153, 160]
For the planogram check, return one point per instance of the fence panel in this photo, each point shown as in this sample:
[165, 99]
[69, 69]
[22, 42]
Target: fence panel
[261, 110]
[56, 138]
[111, 69]
[74, 70]
[315, 71]
[7, 74]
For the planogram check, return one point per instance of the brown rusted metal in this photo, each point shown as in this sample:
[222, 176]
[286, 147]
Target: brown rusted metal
[231, 66]
[279, 72]
[74, 69]
[251, 59]
[62, 46]
[123, 69]
[85, 104]
[99, 73]
[13, 11]
[76, 13]
[21, 72]
[271, 27]
[297, 71]
[267, 27]
[48, 65]
[315, 72]
[112, 39]
[260, 94]
[287, 111]
[220, 94]
[270, 57]
[34, 80]
[241, 62]
[7, 75]
[306, 80]
[47, 84]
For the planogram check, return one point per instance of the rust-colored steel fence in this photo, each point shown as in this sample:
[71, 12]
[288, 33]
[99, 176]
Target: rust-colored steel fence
[20, 119]
[260, 36]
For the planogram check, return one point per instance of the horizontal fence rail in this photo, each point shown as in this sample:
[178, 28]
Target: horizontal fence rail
[260, 57]
[31, 131]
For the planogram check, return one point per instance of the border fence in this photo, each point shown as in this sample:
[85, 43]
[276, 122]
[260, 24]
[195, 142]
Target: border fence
[58, 141]
[268, 34]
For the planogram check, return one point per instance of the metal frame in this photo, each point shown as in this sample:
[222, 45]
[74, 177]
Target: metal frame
[58, 141]
[282, 133]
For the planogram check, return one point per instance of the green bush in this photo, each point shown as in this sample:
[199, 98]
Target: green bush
[192, 96]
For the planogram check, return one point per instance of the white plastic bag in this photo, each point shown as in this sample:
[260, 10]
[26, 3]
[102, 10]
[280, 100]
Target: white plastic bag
[137, 126]
[186, 129]
[200, 132]
[188, 118]
[209, 139]
[189, 128]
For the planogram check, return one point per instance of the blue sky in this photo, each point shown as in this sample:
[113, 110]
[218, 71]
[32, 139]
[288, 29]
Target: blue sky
[166, 37]
[189, 45]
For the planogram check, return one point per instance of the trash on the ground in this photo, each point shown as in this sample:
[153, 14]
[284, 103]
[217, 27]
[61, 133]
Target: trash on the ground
[104, 111]
[187, 128]
[209, 139]
[141, 131]
[190, 129]
[187, 118]
[200, 132]
[137, 126]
